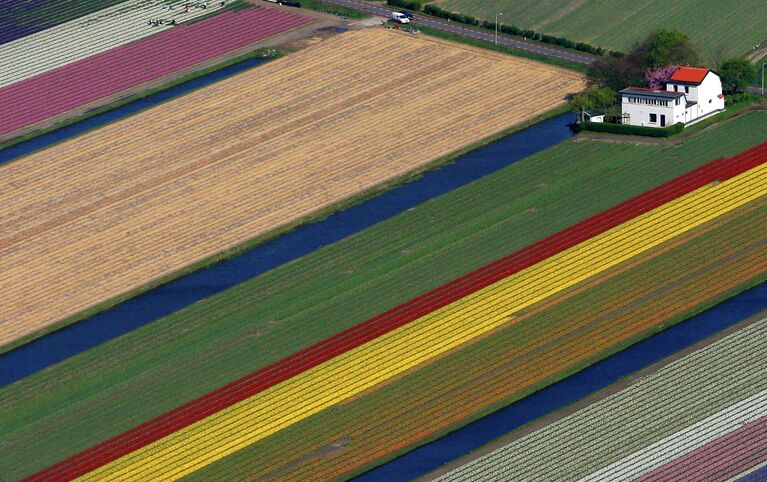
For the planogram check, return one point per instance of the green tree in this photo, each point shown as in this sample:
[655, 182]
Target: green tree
[736, 75]
[594, 97]
[618, 71]
[671, 47]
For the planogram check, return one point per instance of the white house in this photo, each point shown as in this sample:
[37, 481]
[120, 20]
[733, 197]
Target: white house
[691, 95]
[652, 108]
[701, 87]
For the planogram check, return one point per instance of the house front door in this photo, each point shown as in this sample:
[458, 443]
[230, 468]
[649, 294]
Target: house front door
[663, 120]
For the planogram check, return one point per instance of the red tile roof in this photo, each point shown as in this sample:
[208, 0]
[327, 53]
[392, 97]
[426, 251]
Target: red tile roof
[692, 75]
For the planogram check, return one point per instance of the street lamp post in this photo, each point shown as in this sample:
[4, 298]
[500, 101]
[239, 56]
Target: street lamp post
[496, 26]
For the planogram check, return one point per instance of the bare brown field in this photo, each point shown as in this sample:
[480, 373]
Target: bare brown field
[106, 213]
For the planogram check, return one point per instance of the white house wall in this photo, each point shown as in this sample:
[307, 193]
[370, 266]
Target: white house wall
[639, 114]
[691, 92]
[706, 95]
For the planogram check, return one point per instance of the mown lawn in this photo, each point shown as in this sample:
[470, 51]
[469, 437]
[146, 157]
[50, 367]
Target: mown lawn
[618, 24]
[111, 388]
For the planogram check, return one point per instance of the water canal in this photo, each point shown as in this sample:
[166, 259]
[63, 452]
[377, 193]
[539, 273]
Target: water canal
[161, 301]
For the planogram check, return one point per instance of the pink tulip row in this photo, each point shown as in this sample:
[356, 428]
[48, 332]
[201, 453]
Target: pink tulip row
[79, 83]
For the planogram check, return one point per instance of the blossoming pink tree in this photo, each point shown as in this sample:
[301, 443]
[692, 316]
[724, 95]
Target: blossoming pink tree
[656, 79]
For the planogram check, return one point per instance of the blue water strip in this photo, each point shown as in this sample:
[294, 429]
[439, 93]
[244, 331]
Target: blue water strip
[434, 455]
[161, 301]
[759, 475]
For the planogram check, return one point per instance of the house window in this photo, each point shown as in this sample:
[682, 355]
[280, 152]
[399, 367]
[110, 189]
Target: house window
[677, 101]
[653, 118]
[686, 89]
[676, 88]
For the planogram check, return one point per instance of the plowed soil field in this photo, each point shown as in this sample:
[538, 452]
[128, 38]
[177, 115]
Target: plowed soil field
[104, 214]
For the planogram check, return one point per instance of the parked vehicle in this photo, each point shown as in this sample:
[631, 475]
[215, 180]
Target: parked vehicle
[399, 17]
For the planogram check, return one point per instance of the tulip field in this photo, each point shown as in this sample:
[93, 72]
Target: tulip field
[322, 354]
[161, 367]
[241, 158]
[432, 399]
[701, 417]
[95, 33]
[718, 208]
[112, 71]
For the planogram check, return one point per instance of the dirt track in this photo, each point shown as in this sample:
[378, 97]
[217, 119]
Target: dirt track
[106, 213]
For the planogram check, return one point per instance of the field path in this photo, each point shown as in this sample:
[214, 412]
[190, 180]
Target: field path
[107, 213]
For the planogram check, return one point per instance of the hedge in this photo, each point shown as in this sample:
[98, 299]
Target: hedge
[455, 17]
[632, 130]
[416, 6]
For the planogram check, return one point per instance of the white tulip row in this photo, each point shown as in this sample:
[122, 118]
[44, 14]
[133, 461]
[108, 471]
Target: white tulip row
[684, 405]
[89, 35]
[684, 441]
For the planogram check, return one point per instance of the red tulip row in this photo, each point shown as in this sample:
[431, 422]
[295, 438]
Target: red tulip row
[305, 359]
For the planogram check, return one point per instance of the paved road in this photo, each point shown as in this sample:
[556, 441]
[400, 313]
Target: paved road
[378, 9]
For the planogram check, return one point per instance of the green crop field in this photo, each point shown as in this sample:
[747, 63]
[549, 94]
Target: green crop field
[126, 381]
[617, 24]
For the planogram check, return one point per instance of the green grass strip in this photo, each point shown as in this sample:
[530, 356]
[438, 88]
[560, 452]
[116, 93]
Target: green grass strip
[501, 48]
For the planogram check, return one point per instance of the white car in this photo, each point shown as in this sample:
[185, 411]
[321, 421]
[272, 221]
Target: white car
[399, 17]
